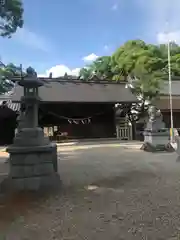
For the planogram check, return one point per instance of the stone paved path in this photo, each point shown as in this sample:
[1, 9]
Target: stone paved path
[108, 193]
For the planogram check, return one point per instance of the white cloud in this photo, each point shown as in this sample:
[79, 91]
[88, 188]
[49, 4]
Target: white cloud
[106, 47]
[90, 58]
[60, 70]
[156, 15]
[75, 71]
[171, 36]
[115, 7]
[31, 39]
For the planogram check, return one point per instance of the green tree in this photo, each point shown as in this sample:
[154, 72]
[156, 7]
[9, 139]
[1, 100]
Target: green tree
[146, 62]
[143, 64]
[101, 67]
[11, 15]
[136, 53]
[8, 72]
[5, 84]
[85, 73]
[175, 64]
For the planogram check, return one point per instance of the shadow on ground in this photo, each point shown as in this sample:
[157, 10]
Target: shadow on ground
[126, 179]
[14, 205]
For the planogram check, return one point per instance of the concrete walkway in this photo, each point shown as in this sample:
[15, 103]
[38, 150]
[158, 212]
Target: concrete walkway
[76, 145]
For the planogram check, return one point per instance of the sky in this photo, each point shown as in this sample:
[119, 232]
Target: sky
[64, 35]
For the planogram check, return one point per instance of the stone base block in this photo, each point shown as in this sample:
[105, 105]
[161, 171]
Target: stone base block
[40, 158]
[148, 147]
[156, 138]
[26, 171]
[40, 183]
[157, 141]
[33, 168]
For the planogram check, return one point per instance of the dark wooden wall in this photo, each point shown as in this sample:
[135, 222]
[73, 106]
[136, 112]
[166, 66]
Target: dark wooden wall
[102, 122]
[176, 119]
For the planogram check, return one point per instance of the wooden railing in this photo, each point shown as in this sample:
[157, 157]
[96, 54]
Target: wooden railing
[124, 133]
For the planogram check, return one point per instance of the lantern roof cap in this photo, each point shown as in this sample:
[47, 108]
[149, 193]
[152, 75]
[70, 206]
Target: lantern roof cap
[30, 82]
[30, 79]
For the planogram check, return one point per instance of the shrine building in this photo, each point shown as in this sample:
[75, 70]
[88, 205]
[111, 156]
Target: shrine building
[73, 109]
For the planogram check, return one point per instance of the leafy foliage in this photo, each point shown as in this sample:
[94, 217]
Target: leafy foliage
[7, 72]
[101, 67]
[11, 17]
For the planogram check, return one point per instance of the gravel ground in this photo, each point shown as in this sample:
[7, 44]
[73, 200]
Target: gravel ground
[108, 193]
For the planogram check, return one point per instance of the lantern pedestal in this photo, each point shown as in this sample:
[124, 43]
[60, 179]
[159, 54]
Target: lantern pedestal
[33, 168]
[33, 161]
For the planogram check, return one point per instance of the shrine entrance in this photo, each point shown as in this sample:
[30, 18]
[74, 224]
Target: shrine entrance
[77, 120]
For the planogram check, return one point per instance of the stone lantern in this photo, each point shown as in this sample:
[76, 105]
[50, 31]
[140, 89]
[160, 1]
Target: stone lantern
[33, 158]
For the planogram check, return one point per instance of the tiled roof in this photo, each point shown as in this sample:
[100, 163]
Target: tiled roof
[79, 91]
[175, 88]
